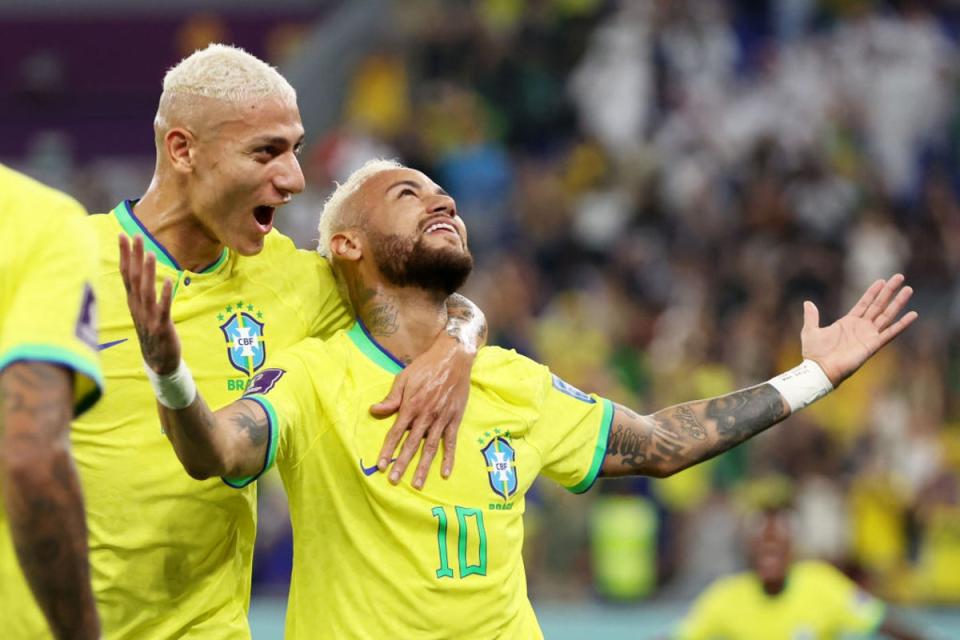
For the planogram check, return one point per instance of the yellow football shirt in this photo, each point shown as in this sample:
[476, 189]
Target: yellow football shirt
[818, 603]
[373, 560]
[171, 556]
[47, 314]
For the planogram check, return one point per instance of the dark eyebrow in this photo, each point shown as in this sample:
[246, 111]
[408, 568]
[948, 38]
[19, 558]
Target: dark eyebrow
[415, 185]
[277, 140]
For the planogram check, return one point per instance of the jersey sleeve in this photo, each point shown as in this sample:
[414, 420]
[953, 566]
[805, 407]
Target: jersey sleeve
[571, 433]
[334, 312]
[857, 612]
[287, 395]
[52, 316]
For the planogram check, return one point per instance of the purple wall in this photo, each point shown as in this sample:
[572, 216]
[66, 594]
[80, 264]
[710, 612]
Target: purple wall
[98, 79]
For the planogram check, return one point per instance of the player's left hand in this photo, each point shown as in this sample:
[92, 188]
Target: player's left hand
[841, 348]
[431, 396]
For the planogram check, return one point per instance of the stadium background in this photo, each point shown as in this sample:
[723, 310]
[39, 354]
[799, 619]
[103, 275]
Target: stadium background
[652, 188]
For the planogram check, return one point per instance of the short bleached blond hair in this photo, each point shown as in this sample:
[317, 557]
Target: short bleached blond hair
[337, 215]
[220, 72]
[228, 73]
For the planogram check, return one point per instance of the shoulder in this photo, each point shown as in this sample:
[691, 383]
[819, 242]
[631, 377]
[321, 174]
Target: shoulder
[512, 378]
[495, 365]
[289, 266]
[277, 246]
[34, 196]
[817, 574]
[314, 355]
[731, 587]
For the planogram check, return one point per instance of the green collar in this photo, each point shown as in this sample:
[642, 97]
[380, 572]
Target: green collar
[373, 350]
[133, 227]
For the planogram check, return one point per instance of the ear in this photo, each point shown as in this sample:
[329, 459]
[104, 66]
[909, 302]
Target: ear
[180, 145]
[346, 245]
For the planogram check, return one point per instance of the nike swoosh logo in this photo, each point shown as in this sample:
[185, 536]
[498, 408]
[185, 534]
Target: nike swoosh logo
[369, 471]
[107, 345]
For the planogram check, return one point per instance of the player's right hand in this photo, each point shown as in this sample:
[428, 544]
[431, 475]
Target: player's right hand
[159, 342]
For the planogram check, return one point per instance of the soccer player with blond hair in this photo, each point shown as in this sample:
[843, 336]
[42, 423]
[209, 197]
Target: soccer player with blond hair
[374, 560]
[171, 558]
[48, 373]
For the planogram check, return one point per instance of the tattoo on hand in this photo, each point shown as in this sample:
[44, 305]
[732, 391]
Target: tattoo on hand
[462, 315]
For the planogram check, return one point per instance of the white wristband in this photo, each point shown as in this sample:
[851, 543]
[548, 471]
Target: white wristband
[803, 385]
[175, 390]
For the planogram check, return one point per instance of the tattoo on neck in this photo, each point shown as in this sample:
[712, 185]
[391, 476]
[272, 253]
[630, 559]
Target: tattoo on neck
[380, 315]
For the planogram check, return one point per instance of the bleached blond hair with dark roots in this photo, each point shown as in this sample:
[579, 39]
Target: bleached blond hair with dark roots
[336, 215]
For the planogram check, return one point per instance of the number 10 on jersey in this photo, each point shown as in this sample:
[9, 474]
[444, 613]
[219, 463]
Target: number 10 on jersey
[465, 518]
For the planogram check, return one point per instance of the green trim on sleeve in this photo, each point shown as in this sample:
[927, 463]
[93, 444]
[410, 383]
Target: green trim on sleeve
[58, 355]
[599, 452]
[273, 439]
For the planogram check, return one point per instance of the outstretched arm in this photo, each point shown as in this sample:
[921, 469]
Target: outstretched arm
[431, 394]
[229, 443]
[42, 493]
[677, 437]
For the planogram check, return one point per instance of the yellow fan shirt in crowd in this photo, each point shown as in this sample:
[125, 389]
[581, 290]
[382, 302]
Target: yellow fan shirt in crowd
[818, 603]
[171, 556]
[372, 559]
[47, 314]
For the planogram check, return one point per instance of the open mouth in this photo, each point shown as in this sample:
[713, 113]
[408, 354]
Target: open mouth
[264, 215]
[441, 227]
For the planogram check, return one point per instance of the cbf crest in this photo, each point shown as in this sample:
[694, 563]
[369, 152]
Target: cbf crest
[501, 460]
[243, 330]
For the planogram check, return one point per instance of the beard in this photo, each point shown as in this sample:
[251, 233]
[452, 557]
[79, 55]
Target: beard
[405, 262]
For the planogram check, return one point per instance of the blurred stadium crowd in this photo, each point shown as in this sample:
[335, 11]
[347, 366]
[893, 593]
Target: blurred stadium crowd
[651, 190]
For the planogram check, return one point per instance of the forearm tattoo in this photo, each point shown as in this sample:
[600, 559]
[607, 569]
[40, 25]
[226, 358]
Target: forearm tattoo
[44, 503]
[685, 434]
[255, 429]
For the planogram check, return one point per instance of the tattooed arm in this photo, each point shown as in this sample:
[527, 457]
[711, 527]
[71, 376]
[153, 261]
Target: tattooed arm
[229, 443]
[43, 498]
[677, 437]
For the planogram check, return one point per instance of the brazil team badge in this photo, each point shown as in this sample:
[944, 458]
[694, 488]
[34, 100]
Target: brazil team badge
[501, 460]
[243, 331]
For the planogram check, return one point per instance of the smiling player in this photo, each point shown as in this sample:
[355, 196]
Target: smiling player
[374, 560]
[171, 558]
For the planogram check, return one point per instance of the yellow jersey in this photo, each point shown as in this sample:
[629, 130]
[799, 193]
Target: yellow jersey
[817, 603]
[171, 556]
[372, 559]
[47, 314]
